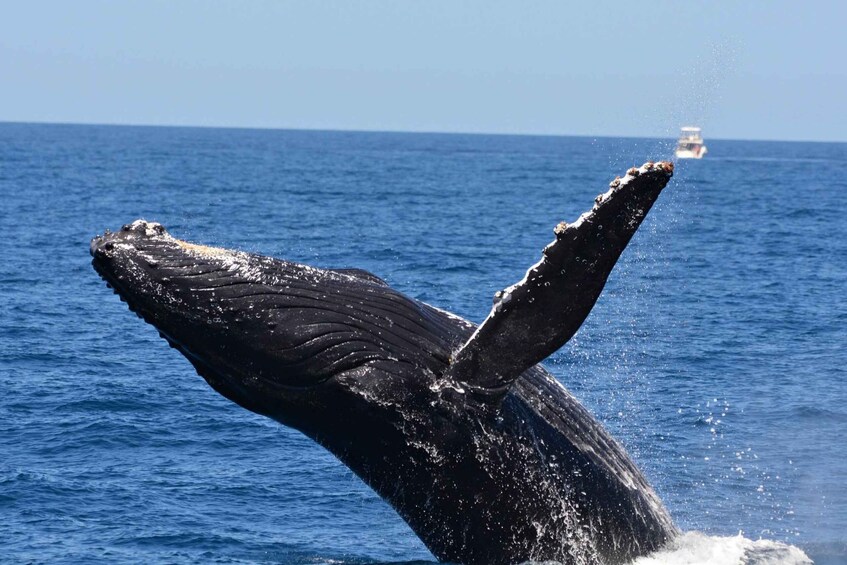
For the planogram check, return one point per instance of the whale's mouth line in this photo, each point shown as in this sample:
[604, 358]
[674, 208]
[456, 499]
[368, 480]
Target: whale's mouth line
[208, 371]
[115, 285]
[112, 283]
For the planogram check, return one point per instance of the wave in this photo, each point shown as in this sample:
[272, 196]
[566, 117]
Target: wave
[696, 548]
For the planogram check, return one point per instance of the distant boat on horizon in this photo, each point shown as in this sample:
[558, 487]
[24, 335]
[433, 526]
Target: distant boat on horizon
[690, 144]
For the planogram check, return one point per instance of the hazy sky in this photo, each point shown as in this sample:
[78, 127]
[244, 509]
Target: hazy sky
[751, 70]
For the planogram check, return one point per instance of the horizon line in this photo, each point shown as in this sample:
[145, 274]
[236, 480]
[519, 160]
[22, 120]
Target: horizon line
[389, 131]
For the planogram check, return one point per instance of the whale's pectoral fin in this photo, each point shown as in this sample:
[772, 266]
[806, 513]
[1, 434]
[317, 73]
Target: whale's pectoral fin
[535, 317]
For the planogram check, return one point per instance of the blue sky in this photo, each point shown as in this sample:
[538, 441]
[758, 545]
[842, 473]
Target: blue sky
[749, 70]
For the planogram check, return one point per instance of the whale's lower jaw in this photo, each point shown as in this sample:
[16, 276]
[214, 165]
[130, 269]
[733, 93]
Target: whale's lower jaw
[486, 456]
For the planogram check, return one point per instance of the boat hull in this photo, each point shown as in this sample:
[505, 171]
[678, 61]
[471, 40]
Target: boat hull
[691, 153]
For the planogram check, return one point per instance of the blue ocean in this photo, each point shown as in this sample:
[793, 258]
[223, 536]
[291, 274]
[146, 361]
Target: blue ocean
[716, 353]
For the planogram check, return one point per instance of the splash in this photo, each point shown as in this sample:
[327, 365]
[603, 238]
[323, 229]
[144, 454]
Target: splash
[696, 548]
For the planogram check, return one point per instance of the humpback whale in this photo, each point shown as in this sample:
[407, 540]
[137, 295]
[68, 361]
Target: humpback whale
[487, 457]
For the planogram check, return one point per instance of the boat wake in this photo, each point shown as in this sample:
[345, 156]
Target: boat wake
[696, 548]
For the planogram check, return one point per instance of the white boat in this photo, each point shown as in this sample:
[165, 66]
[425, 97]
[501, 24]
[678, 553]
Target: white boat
[690, 144]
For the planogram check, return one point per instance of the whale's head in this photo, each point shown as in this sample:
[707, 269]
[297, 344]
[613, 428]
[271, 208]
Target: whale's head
[275, 336]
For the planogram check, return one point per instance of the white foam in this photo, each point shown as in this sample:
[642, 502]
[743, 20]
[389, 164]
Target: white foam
[696, 548]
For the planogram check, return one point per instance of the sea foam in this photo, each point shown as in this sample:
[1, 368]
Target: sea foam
[696, 548]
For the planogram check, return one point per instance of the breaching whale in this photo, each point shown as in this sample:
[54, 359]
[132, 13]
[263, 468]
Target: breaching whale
[486, 456]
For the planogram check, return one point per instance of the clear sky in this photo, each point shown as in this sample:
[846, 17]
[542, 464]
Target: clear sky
[749, 70]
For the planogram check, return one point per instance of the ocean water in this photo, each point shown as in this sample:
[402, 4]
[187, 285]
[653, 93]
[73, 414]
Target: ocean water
[716, 354]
